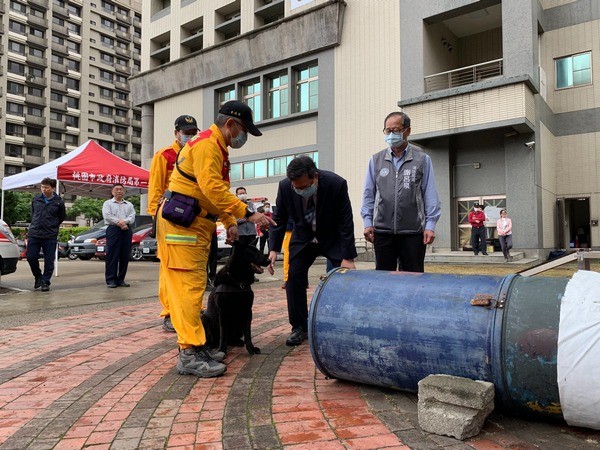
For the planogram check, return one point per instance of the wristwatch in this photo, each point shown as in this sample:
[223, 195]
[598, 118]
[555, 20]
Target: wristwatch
[249, 211]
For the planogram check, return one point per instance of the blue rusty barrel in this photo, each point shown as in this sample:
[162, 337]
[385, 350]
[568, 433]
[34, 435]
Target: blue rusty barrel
[392, 329]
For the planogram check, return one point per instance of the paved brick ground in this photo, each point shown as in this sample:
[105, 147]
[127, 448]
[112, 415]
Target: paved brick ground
[106, 380]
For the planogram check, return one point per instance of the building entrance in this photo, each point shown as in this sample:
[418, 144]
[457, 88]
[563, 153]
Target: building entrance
[574, 222]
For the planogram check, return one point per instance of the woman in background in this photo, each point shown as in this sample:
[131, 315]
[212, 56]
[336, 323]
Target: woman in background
[504, 227]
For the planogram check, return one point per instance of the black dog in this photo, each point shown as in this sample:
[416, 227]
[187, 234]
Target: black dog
[228, 314]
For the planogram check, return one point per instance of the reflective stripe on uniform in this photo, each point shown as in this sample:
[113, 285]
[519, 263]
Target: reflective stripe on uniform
[180, 239]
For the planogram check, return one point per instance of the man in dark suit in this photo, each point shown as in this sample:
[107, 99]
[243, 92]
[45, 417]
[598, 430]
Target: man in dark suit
[317, 201]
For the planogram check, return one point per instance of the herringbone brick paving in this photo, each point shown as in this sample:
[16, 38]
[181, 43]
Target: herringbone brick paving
[106, 380]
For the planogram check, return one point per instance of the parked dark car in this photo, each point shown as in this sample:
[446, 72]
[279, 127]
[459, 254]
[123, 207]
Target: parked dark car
[149, 248]
[139, 234]
[64, 250]
[84, 245]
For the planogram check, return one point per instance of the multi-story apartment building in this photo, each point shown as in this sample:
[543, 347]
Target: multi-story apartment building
[502, 95]
[64, 79]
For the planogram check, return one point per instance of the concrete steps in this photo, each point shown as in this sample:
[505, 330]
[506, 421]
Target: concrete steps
[459, 257]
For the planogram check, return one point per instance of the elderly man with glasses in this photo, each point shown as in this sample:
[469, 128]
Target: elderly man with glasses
[400, 200]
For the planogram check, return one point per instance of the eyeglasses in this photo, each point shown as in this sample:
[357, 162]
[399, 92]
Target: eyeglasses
[396, 130]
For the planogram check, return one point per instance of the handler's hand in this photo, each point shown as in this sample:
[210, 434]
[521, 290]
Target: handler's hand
[232, 234]
[370, 234]
[428, 237]
[347, 264]
[261, 220]
[272, 258]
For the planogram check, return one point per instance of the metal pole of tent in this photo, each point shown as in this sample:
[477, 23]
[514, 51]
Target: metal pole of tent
[56, 250]
[2, 211]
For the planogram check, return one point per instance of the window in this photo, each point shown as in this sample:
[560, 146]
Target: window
[14, 130]
[35, 131]
[56, 135]
[34, 151]
[307, 88]
[105, 111]
[278, 96]
[72, 121]
[226, 94]
[57, 59]
[36, 13]
[122, 61]
[278, 166]
[106, 40]
[73, 46]
[14, 150]
[15, 88]
[18, 7]
[574, 70]
[121, 147]
[58, 21]
[122, 28]
[35, 92]
[74, 10]
[251, 96]
[74, 28]
[16, 27]
[16, 47]
[14, 109]
[16, 68]
[56, 116]
[108, 59]
[72, 84]
[71, 139]
[106, 93]
[235, 172]
[120, 130]
[74, 65]
[106, 75]
[35, 72]
[120, 79]
[11, 170]
[73, 102]
[57, 78]
[39, 53]
[105, 128]
[33, 111]
[120, 112]
[36, 32]
[108, 6]
[120, 96]
[58, 40]
[105, 23]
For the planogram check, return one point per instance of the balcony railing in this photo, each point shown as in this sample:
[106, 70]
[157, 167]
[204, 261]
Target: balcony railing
[463, 75]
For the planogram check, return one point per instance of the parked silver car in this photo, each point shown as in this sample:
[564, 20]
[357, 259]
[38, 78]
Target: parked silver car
[9, 250]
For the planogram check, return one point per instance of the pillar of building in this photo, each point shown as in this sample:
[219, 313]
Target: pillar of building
[147, 146]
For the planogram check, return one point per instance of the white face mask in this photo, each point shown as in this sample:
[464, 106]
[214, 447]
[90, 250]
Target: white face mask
[267, 210]
[242, 197]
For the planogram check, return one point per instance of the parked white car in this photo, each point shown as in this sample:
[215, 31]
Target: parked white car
[9, 250]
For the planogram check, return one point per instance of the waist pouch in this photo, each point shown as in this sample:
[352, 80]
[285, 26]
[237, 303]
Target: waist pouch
[180, 209]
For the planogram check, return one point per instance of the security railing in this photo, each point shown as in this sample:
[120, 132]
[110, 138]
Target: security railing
[463, 75]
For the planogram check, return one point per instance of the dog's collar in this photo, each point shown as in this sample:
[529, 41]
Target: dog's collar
[240, 285]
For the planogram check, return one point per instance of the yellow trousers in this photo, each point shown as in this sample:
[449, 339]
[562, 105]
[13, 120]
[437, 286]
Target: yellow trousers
[183, 256]
[286, 254]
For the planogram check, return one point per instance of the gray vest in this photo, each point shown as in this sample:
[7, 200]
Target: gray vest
[399, 206]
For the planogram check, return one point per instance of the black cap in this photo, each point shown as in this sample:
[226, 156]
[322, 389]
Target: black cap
[477, 205]
[186, 123]
[241, 111]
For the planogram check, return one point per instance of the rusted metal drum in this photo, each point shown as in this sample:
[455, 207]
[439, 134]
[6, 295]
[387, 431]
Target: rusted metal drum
[392, 329]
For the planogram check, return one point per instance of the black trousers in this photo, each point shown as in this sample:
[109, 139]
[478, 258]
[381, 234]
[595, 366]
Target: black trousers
[478, 240]
[404, 252]
[264, 239]
[48, 246]
[505, 244]
[297, 283]
[118, 249]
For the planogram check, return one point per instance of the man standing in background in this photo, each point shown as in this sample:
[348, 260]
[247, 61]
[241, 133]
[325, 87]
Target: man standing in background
[47, 213]
[163, 163]
[119, 215]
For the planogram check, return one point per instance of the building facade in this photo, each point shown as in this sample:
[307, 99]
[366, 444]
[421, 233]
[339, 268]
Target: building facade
[501, 95]
[64, 79]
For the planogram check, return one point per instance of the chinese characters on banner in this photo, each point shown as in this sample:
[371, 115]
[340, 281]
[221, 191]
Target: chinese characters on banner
[106, 178]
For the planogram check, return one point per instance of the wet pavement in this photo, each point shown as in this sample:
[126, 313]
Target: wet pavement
[83, 366]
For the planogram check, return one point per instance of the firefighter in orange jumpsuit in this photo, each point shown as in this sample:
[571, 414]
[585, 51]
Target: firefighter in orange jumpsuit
[202, 172]
[161, 168]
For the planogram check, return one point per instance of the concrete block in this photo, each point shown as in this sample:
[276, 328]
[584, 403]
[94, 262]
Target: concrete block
[454, 406]
[456, 391]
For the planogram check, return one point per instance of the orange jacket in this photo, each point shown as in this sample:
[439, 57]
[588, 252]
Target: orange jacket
[161, 168]
[206, 158]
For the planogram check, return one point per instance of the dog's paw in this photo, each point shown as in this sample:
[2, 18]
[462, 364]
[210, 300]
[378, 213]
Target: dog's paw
[253, 350]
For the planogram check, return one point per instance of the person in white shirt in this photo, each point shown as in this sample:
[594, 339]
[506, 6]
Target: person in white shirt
[504, 227]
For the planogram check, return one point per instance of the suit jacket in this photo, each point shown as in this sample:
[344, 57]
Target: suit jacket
[334, 224]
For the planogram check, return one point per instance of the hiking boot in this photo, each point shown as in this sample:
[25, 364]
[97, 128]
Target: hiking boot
[45, 286]
[197, 361]
[38, 283]
[217, 355]
[168, 325]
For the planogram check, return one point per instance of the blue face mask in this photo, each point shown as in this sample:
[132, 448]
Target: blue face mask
[240, 139]
[307, 192]
[394, 140]
[184, 138]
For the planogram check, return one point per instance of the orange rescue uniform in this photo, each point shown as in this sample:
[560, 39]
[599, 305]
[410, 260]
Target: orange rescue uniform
[161, 168]
[184, 251]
